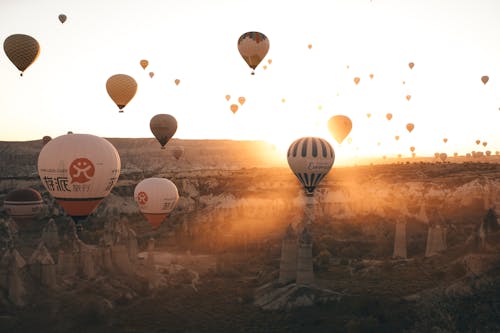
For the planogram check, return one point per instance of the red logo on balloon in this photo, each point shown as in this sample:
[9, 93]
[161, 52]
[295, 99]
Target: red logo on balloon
[142, 197]
[81, 170]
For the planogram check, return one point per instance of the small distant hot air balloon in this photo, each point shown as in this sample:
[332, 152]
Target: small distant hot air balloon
[371, 76]
[121, 88]
[488, 153]
[478, 142]
[445, 140]
[310, 159]
[156, 198]
[23, 205]
[396, 137]
[177, 152]
[177, 81]
[241, 100]
[368, 115]
[22, 50]
[436, 155]
[411, 64]
[412, 149]
[163, 127]
[485, 143]
[79, 171]
[455, 154]
[309, 46]
[283, 100]
[408, 97]
[46, 139]
[356, 80]
[62, 18]
[264, 67]
[144, 63]
[410, 127]
[388, 116]
[443, 157]
[151, 74]
[253, 47]
[234, 108]
[269, 61]
[485, 79]
[339, 126]
[228, 97]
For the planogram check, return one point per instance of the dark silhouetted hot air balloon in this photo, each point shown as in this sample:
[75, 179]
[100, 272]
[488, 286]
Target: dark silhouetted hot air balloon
[121, 88]
[151, 74]
[478, 142]
[62, 18]
[156, 198]
[46, 139]
[163, 127]
[310, 159]
[410, 127]
[22, 50]
[485, 79]
[339, 126]
[178, 152]
[144, 63]
[253, 47]
[23, 205]
[485, 143]
[411, 64]
[79, 171]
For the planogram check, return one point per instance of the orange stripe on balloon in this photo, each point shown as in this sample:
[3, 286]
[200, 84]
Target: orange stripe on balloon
[76, 207]
[155, 219]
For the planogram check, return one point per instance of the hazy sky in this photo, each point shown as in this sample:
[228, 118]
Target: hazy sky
[452, 43]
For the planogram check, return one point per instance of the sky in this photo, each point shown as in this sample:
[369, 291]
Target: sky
[452, 43]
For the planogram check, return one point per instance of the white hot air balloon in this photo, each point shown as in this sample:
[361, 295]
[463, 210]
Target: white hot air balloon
[156, 198]
[79, 171]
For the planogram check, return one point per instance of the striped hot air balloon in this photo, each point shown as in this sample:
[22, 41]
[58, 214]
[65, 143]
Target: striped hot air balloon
[310, 159]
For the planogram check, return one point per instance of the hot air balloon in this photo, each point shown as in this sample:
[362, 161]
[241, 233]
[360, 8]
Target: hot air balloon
[234, 108]
[22, 50]
[177, 152]
[310, 159]
[411, 65]
[436, 155]
[62, 18]
[388, 116]
[264, 67]
[241, 100]
[488, 153]
[309, 46]
[269, 61]
[163, 127]
[253, 47]
[228, 97]
[396, 137]
[121, 88]
[151, 74]
[339, 126]
[410, 127]
[455, 154]
[371, 76]
[144, 63]
[23, 205]
[283, 100]
[445, 140]
[46, 139]
[368, 115]
[408, 97]
[177, 81]
[485, 79]
[156, 198]
[356, 80]
[412, 149]
[443, 157]
[79, 171]
[485, 143]
[478, 142]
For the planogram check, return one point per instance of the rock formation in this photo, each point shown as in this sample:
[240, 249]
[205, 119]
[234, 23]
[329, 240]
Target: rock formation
[400, 241]
[305, 274]
[288, 263]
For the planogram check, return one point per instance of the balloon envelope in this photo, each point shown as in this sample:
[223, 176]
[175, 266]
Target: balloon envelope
[156, 198]
[62, 18]
[411, 64]
[339, 126]
[22, 50]
[388, 116]
[443, 157]
[310, 159]
[241, 100]
[410, 127]
[253, 47]
[79, 171]
[144, 63]
[23, 204]
[46, 139]
[163, 127]
[121, 88]
[234, 108]
[178, 152]
[485, 79]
